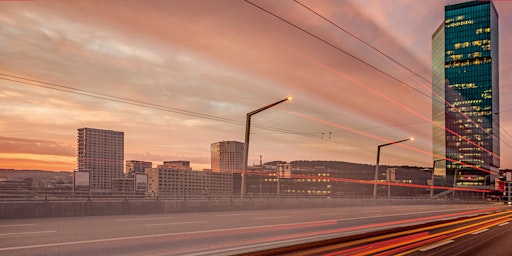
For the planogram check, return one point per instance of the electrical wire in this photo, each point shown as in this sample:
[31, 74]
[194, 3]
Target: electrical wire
[102, 96]
[406, 68]
[370, 65]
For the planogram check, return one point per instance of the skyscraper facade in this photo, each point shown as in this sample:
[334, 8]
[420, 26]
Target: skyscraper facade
[227, 156]
[101, 153]
[465, 105]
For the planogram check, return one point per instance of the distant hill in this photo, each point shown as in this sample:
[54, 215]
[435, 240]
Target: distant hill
[34, 174]
[360, 171]
[335, 165]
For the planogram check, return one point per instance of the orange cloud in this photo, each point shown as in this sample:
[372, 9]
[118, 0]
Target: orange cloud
[36, 162]
[37, 147]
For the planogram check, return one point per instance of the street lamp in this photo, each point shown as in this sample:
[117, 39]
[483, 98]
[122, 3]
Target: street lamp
[377, 165]
[246, 144]
[389, 171]
[485, 185]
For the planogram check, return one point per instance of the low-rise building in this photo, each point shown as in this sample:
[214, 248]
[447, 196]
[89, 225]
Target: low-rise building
[176, 165]
[164, 181]
[136, 166]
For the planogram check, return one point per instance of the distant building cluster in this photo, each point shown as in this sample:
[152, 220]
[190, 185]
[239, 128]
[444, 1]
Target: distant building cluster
[466, 138]
[100, 169]
[101, 152]
[15, 182]
[466, 134]
[136, 167]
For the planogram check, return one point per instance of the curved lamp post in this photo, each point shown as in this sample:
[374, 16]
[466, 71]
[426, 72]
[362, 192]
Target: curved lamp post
[377, 165]
[246, 144]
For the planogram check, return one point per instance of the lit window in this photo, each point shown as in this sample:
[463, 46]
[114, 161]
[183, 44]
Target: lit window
[456, 57]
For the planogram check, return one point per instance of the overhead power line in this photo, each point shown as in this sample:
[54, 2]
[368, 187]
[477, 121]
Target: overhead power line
[376, 69]
[337, 48]
[102, 96]
[406, 68]
[63, 88]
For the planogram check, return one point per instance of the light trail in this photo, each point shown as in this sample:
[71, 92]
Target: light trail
[446, 235]
[404, 241]
[368, 182]
[178, 236]
[394, 184]
[384, 140]
[381, 244]
[394, 102]
[294, 237]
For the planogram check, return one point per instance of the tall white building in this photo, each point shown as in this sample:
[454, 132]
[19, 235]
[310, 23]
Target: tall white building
[101, 153]
[227, 156]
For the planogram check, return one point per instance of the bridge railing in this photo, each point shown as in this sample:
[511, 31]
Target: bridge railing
[14, 195]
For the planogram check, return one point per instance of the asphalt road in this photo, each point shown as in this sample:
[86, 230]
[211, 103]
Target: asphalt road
[211, 233]
[492, 241]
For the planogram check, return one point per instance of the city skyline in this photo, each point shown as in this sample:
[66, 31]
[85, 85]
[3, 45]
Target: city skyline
[189, 71]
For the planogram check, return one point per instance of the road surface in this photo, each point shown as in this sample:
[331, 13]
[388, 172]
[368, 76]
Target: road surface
[211, 233]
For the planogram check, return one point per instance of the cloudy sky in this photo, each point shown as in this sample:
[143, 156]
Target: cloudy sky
[176, 76]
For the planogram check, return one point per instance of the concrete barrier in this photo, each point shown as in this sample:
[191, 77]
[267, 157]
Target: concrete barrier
[49, 209]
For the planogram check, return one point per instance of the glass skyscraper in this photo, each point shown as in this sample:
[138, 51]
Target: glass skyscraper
[465, 100]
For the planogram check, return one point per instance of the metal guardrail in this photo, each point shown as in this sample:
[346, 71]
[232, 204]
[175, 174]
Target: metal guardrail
[9, 196]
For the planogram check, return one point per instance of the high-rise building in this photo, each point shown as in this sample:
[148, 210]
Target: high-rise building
[101, 153]
[227, 156]
[465, 105]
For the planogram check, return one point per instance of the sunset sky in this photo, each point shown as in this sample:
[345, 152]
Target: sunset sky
[176, 76]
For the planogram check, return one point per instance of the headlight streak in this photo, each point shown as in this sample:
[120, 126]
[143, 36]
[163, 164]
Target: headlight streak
[305, 236]
[369, 182]
[395, 102]
[412, 243]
